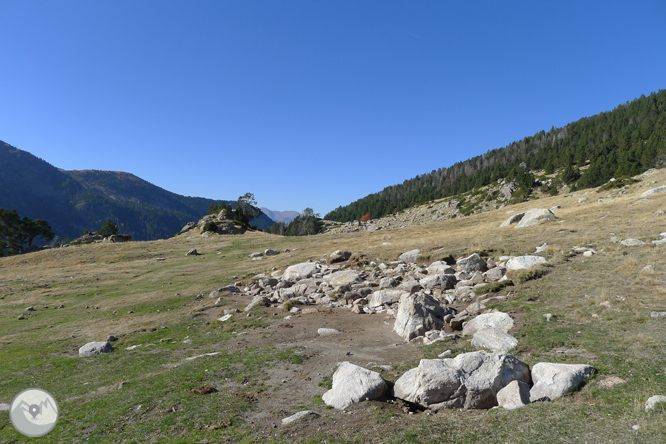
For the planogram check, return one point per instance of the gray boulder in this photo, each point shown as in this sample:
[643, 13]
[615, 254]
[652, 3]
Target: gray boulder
[499, 321]
[514, 395]
[95, 348]
[472, 263]
[495, 274]
[300, 271]
[419, 313]
[351, 384]
[270, 252]
[524, 262]
[554, 380]
[410, 256]
[440, 267]
[442, 281]
[192, 252]
[339, 256]
[470, 380]
[535, 216]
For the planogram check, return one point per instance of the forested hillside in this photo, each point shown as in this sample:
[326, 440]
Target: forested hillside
[72, 201]
[623, 142]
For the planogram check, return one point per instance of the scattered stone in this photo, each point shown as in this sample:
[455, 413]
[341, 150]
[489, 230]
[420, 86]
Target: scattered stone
[299, 415]
[344, 277]
[111, 338]
[444, 354]
[653, 401]
[548, 316]
[256, 254]
[658, 314]
[441, 281]
[632, 243]
[385, 297]
[21, 317]
[30, 309]
[410, 256]
[535, 216]
[270, 252]
[470, 380]
[328, 332]
[95, 348]
[192, 252]
[582, 199]
[515, 395]
[351, 384]
[555, 380]
[225, 318]
[4, 407]
[257, 301]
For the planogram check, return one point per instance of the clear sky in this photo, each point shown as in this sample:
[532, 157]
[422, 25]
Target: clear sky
[309, 103]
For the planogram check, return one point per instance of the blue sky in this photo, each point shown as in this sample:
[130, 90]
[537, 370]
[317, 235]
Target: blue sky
[309, 103]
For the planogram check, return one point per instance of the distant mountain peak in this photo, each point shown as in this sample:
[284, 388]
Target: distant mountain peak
[281, 216]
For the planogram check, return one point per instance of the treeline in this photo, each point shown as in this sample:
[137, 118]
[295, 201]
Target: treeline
[619, 143]
[307, 223]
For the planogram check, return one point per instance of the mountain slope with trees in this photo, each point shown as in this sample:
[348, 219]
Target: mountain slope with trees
[619, 143]
[73, 201]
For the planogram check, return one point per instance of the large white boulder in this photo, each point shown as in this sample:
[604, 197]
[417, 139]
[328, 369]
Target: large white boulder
[535, 216]
[524, 262]
[300, 271]
[498, 321]
[554, 380]
[351, 384]
[470, 380]
[419, 313]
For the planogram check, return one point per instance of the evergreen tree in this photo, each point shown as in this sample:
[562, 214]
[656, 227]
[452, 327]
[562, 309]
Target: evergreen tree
[108, 228]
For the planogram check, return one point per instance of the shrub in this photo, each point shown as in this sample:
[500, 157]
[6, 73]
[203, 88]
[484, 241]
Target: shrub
[365, 218]
[210, 226]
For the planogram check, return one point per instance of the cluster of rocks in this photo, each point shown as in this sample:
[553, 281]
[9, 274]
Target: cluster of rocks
[435, 212]
[476, 380]
[221, 223]
[429, 303]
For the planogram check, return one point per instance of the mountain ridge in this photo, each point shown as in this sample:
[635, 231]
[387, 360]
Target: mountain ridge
[72, 201]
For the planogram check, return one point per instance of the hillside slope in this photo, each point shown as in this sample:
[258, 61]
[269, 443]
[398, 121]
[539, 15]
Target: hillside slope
[623, 142]
[72, 201]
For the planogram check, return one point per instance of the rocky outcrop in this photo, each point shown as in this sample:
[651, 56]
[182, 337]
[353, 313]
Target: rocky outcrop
[524, 262]
[535, 216]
